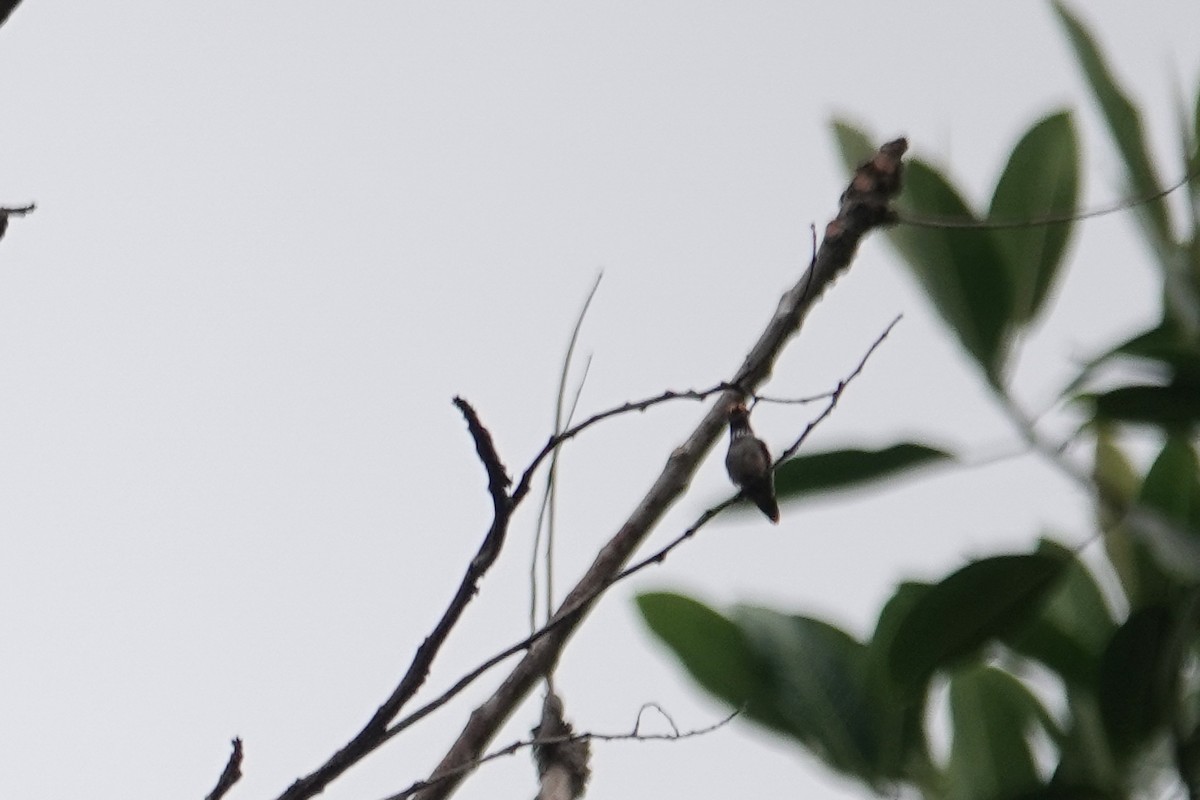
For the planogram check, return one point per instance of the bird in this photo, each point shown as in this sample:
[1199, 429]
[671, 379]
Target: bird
[749, 463]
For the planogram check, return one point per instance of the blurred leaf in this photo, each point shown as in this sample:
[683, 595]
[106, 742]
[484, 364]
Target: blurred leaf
[821, 690]
[1086, 761]
[1171, 407]
[843, 469]
[1172, 485]
[1167, 516]
[714, 651]
[1138, 678]
[1118, 485]
[981, 601]
[908, 741]
[992, 715]
[1040, 180]
[1192, 149]
[1114, 475]
[854, 145]
[1072, 628]
[962, 270]
[891, 618]
[1125, 124]
[1147, 344]
[1055, 792]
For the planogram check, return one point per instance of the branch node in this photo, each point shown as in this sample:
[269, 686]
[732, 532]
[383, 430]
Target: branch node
[561, 758]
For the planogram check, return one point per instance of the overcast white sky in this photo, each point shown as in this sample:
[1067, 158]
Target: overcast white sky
[275, 238]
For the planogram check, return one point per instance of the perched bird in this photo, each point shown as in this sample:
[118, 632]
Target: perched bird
[749, 463]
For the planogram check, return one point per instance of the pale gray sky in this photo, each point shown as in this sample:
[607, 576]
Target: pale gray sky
[274, 239]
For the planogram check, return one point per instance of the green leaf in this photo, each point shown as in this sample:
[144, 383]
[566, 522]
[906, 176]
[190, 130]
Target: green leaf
[1167, 516]
[1138, 678]
[902, 603]
[821, 690]
[1040, 180]
[961, 270]
[854, 146]
[1173, 407]
[1125, 124]
[979, 602]
[1086, 764]
[1192, 149]
[907, 740]
[1073, 792]
[1119, 485]
[1165, 344]
[1172, 485]
[1151, 343]
[992, 715]
[714, 651]
[843, 469]
[1072, 628]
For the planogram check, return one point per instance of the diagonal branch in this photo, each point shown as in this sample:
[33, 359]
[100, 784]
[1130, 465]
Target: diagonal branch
[864, 205]
[374, 733]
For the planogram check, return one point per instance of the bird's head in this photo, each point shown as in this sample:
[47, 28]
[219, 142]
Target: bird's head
[739, 415]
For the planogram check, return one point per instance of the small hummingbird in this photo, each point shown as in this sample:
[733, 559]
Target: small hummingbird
[749, 463]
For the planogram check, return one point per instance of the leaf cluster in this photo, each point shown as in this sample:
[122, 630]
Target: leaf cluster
[1128, 709]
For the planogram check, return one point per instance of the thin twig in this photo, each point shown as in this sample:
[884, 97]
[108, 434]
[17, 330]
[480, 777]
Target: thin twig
[924, 221]
[549, 504]
[637, 724]
[791, 401]
[552, 493]
[836, 394]
[555, 440]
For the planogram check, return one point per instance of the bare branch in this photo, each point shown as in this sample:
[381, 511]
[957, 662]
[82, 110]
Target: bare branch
[374, 733]
[791, 401]
[864, 205]
[498, 483]
[637, 405]
[230, 775]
